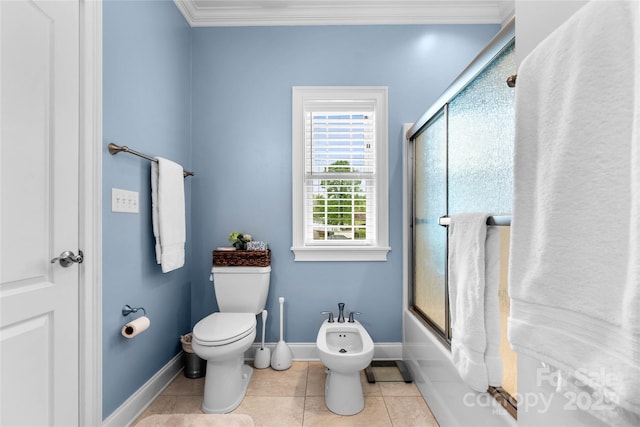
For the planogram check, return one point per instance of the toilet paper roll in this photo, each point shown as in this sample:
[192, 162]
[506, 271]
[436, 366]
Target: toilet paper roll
[136, 327]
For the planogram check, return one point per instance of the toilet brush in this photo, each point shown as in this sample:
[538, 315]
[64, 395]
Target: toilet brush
[263, 355]
[281, 358]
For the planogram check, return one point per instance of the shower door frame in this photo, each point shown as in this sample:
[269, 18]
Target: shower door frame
[443, 335]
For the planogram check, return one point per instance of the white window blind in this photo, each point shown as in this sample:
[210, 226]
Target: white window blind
[339, 169]
[340, 177]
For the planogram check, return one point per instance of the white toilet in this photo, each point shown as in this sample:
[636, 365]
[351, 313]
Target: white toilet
[345, 348]
[222, 338]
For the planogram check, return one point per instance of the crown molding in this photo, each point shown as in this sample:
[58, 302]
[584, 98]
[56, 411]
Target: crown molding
[228, 13]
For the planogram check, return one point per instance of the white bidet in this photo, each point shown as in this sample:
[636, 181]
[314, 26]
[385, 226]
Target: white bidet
[345, 349]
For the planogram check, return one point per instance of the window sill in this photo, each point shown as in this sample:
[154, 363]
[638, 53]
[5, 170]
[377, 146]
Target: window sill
[340, 253]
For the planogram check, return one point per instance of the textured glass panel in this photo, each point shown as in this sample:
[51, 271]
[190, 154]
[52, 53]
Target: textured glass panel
[481, 135]
[429, 237]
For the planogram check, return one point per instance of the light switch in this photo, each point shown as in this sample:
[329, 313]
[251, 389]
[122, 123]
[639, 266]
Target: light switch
[124, 201]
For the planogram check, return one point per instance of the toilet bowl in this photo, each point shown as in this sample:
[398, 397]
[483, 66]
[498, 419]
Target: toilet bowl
[345, 349]
[221, 339]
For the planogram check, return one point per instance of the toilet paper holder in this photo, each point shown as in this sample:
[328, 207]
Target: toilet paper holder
[127, 310]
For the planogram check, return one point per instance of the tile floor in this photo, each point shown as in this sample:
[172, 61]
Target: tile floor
[295, 397]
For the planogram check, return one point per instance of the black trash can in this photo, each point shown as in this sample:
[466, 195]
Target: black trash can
[194, 366]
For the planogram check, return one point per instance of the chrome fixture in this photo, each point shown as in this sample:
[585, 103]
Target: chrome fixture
[502, 221]
[330, 313]
[127, 310]
[340, 312]
[115, 149]
[67, 258]
[351, 320]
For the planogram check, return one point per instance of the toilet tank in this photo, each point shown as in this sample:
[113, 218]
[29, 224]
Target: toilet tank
[241, 289]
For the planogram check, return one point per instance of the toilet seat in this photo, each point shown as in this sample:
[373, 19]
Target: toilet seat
[223, 328]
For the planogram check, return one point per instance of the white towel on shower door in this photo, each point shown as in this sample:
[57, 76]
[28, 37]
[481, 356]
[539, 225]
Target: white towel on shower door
[474, 275]
[168, 213]
[575, 236]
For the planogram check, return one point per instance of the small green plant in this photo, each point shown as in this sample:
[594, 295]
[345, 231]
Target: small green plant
[239, 240]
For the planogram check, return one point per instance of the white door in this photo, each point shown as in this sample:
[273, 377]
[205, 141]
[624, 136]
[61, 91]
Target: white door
[39, 90]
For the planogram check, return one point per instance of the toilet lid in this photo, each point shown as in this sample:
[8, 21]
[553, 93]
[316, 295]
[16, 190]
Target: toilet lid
[224, 328]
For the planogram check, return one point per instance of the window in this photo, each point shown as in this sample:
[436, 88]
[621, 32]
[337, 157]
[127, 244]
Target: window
[340, 191]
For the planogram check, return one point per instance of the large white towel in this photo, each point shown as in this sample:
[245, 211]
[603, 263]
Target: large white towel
[168, 213]
[575, 234]
[474, 278]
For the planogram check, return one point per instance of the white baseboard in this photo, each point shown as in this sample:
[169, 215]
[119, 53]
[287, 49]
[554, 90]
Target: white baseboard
[138, 402]
[307, 351]
[388, 351]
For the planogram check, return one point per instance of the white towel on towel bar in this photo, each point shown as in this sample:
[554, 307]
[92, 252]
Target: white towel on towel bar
[474, 279]
[168, 213]
[575, 233]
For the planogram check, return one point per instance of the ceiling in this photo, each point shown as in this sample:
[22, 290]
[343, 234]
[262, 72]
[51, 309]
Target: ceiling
[226, 13]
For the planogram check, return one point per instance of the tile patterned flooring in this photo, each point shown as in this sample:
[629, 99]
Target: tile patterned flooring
[295, 397]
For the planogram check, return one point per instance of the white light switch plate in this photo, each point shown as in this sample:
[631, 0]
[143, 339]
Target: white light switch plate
[124, 201]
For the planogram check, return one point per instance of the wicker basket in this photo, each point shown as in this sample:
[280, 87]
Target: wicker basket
[242, 258]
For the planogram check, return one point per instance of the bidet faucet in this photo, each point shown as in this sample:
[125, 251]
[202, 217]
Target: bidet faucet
[351, 320]
[340, 312]
[330, 313]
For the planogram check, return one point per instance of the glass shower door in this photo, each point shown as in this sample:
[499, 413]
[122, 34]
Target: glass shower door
[481, 135]
[463, 163]
[430, 239]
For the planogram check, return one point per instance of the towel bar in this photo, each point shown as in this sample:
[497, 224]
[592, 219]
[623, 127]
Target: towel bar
[115, 149]
[492, 220]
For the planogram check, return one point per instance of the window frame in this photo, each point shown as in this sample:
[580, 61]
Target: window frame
[349, 96]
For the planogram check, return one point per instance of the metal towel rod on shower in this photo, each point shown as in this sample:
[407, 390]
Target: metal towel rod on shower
[492, 220]
[115, 149]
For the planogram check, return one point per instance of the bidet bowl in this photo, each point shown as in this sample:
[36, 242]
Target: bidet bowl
[344, 347]
[344, 341]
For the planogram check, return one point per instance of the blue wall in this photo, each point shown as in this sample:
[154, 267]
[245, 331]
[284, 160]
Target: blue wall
[218, 100]
[241, 128]
[147, 54]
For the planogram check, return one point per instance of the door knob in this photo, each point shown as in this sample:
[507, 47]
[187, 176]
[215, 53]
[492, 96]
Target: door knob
[67, 258]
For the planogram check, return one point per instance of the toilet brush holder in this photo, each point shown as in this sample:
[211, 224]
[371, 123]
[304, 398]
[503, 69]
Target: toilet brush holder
[262, 358]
